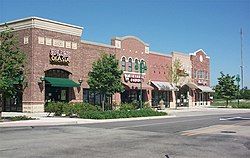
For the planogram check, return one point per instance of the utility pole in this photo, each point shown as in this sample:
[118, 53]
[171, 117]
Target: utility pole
[241, 57]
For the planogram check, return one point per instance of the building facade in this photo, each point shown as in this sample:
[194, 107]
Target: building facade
[59, 62]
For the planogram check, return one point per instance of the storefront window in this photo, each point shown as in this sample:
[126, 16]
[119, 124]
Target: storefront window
[123, 64]
[91, 97]
[130, 65]
[136, 65]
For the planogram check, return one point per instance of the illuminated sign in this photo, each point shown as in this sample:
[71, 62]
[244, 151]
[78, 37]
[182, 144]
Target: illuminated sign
[59, 57]
[133, 78]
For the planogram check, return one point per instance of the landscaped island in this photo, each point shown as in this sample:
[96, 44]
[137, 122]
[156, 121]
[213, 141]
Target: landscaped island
[88, 111]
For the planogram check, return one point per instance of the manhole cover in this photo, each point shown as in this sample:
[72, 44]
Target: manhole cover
[228, 132]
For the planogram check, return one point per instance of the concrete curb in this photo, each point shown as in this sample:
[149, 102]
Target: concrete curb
[53, 121]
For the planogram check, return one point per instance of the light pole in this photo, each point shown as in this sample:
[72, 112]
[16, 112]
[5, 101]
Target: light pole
[238, 82]
[143, 68]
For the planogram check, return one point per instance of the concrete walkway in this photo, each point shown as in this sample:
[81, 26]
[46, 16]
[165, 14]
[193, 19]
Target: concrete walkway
[43, 120]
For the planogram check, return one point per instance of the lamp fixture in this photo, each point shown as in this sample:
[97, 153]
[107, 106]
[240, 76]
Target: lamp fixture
[80, 81]
[42, 78]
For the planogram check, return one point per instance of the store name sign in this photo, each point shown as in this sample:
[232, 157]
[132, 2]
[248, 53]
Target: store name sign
[133, 78]
[59, 57]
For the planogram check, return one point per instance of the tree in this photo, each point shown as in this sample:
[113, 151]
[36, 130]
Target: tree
[177, 73]
[105, 77]
[226, 87]
[12, 63]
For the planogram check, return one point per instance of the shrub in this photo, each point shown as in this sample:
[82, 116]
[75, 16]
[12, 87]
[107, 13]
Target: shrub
[120, 114]
[19, 118]
[242, 105]
[55, 107]
[127, 106]
[69, 109]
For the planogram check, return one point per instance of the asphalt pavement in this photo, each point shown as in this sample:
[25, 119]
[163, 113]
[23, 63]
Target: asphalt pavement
[206, 136]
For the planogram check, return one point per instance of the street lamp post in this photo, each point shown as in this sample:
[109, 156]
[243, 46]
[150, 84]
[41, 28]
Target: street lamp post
[143, 68]
[238, 82]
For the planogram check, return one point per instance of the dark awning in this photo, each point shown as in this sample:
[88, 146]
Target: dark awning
[61, 82]
[163, 85]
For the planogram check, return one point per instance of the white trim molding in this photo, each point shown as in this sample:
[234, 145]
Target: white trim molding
[45, 24]
[126, 37]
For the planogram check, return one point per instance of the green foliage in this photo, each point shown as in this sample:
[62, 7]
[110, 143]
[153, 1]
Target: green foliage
[245, 94]
[175, 71]
[242, 105]
[120, 114]
[12, 63]
[55, 107]
[88, 111]
[105, 76]
[69, 109]
[226, 87]
[127, 106]
[19, 118]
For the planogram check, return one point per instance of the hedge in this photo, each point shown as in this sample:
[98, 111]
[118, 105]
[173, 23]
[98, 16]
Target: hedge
[120, 114]
[88, 111]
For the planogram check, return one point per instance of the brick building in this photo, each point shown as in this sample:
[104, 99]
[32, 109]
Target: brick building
[59, 62]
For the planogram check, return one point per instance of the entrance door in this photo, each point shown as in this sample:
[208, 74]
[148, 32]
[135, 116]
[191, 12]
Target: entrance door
[56, 94]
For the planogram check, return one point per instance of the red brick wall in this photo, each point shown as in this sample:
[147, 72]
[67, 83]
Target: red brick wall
[131, 47]
[27, 49]
[90, 54]
[160, 67]
[81, 60]
[198, 65]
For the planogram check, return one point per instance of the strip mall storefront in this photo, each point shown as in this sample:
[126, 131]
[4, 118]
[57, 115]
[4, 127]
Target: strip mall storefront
[59, 63]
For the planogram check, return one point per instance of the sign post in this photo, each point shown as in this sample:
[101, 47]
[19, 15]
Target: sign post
[143, 68]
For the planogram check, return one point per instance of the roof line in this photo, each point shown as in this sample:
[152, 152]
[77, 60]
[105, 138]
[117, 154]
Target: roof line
[134, 37]
[98, 44]
[43, 19]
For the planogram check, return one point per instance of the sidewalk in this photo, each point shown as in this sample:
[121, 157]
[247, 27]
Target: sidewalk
[43, 120]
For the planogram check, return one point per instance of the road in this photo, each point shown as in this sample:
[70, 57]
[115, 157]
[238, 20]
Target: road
[208, 136]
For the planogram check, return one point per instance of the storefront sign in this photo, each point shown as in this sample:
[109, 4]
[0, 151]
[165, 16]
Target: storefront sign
[59, 57]
[133, 78]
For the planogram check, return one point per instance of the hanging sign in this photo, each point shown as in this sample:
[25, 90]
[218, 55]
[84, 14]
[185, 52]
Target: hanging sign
[59, 57]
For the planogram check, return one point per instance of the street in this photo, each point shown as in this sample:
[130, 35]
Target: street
[225, 135]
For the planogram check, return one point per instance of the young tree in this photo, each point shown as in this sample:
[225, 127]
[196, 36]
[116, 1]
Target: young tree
[177, 72]
[12, 63]
[226, 87]
[105, 77]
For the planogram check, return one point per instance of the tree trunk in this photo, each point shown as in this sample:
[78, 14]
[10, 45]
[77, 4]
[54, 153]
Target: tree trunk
[227, 103]
[103, 101]
[1, 105]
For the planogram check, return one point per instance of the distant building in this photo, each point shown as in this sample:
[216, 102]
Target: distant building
[59, 62]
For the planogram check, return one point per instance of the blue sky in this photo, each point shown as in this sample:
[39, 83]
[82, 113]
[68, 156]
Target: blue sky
[167, 25]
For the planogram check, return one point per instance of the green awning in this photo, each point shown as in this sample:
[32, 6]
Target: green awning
[61, 82]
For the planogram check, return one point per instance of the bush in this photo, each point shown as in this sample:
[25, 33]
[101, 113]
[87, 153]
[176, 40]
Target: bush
[120, 114]
[242, 105]
[127, 106]
[69, 109]
[55, 107]
[19, 118]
